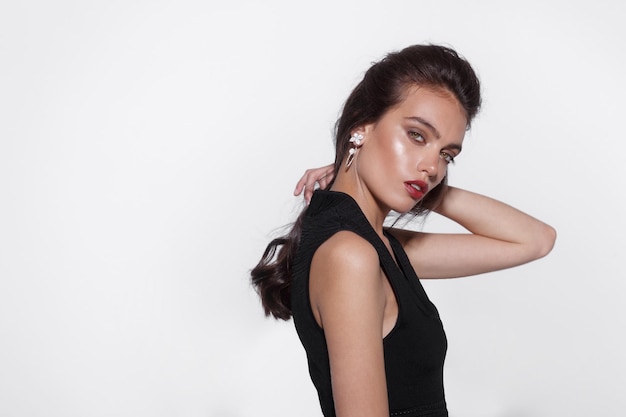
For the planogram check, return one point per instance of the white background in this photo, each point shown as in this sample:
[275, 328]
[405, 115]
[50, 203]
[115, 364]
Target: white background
[148, 152]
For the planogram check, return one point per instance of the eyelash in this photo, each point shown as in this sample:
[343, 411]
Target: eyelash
[414, 135]
[448, 158]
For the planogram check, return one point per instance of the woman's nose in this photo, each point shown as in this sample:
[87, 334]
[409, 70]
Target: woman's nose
[429, 163]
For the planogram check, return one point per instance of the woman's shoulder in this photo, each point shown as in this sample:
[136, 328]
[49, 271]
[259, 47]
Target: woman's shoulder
[348, 246]
[345, 277]
[346, 255]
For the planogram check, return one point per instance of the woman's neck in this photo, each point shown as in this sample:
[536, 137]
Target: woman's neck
[371, 208]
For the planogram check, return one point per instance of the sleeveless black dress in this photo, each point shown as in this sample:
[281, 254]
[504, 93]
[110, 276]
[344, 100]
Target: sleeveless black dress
[415, 348]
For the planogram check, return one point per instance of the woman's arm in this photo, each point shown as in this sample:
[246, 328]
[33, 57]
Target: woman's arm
[348, 300]
[501, 237]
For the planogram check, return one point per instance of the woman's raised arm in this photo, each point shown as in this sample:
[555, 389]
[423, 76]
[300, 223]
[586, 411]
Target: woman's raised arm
[500, 237]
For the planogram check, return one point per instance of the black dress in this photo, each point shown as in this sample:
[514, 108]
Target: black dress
[415, 348]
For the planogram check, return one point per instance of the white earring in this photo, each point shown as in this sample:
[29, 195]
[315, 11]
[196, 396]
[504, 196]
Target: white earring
[355, 139]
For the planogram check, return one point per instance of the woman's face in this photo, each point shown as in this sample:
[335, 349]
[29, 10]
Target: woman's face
[407, 152]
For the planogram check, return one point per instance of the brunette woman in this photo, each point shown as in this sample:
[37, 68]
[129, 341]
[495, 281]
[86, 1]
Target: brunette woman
[374, 341]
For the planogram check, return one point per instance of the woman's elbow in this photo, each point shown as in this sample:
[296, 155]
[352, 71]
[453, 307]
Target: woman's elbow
[544, 242]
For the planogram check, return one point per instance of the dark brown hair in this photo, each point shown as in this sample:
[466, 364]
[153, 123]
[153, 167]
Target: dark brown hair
[384, 85]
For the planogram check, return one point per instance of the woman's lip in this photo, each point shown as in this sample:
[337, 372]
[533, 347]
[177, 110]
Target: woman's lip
[414, 192]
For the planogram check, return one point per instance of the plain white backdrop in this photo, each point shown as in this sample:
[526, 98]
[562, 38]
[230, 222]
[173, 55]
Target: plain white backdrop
[148, 152]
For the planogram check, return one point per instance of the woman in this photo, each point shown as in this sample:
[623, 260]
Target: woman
[374, 341]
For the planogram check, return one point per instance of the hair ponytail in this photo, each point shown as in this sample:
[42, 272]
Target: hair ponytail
[272, 276]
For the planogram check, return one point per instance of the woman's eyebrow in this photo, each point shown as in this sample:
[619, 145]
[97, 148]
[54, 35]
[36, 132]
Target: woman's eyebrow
[433, 130]
[430, 127]
[455, 146]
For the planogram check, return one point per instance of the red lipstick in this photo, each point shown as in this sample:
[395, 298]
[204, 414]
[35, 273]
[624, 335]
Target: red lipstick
[416, 189]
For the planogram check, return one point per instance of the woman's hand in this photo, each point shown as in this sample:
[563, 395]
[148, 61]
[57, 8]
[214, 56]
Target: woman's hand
[321, 176]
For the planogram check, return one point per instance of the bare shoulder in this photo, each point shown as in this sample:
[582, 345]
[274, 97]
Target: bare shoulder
[347, 249]
[344, 269]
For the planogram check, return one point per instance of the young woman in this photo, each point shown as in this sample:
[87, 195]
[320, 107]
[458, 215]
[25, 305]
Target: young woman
[374, 341]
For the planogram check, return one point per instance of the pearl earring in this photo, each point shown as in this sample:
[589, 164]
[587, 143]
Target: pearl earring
[355, 139]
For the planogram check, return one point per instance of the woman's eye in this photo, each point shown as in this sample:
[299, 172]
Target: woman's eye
[447, 157]
[416, 136]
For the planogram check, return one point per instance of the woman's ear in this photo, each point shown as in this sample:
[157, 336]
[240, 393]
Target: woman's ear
[363, 131]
